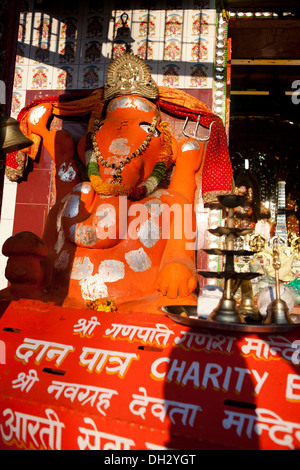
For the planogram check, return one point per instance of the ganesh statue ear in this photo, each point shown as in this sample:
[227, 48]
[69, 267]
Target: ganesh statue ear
[38, 118]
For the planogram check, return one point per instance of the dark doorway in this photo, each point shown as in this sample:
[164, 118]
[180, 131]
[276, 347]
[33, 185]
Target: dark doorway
[264, 131]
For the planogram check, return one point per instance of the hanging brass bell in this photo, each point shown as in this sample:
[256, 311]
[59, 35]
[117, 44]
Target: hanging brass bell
[124, 34]
[12, 138]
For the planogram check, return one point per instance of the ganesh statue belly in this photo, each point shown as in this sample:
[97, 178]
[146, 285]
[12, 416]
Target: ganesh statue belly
[109, 248]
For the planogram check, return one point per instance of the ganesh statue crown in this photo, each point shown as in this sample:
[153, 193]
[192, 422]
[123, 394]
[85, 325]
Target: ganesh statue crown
[127, 75]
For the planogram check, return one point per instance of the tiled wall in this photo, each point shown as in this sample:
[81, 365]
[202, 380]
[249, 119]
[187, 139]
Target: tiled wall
[67, 50]
[72, 51]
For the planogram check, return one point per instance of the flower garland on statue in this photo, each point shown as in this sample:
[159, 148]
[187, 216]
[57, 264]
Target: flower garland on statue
[101, 305]
[93, 158]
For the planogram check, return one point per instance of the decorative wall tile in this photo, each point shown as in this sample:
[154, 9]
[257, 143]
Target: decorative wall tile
[20, 77]
[91, 76]
[45, 28]
[149, 49]
[65, 77]
[22, 54]
[173, 49]
[25, 23]
[91, 52]
[95, 27]
[141, 24]
[40, 53]
[70, 28]
[44, 53]
[68, 52]
[119, 49]
[147, 23]
[198, 75]
[210, 16]
[199, 23]
[39, 77]
[17, 102]
[174, 23]
[171, 74]
[199, 50]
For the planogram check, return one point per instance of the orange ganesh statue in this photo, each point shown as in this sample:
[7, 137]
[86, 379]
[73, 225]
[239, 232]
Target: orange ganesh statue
[116, 235]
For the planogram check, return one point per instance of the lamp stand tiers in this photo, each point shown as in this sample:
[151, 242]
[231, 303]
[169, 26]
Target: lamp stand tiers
[227, 310]
[228, 316]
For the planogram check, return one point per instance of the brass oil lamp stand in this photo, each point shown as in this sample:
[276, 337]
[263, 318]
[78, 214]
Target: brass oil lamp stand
[227, 311]
[228, 315]
[278, 311]
[247, 307]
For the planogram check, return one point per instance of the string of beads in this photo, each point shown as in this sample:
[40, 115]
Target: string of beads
[116, 188]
